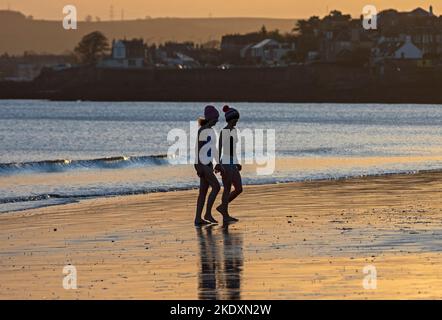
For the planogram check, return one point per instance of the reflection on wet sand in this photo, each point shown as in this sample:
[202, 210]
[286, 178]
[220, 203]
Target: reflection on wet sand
[221, 260]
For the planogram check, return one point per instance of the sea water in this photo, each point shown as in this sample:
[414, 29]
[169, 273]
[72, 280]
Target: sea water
[58, 152]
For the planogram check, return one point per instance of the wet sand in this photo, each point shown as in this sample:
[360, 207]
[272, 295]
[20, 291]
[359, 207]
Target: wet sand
[306, 240]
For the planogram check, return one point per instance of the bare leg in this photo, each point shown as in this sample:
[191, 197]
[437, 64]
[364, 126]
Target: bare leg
[204, 187]
[224, 207]
[237, 184]
[214, 184]
[227, 184]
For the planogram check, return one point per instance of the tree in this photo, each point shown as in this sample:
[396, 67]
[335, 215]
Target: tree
[307, 27]
[263, 30]
[92, 48]
[308, 37]
[338, 16]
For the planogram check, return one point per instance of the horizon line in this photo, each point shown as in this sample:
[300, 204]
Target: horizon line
[147, 17]
[152, 17]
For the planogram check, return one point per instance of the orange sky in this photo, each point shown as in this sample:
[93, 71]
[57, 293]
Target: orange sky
[52, 9]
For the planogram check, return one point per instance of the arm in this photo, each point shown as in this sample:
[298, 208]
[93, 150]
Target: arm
[220, 147]
[234, 155]
[219, 167]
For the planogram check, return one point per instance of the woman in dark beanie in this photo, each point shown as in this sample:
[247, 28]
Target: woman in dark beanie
[204, 166]
[230, 167]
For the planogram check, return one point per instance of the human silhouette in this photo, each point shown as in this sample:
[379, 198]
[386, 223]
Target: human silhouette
[230, 167]
[204, 166]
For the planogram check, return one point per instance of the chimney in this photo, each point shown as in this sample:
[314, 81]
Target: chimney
[431, 11]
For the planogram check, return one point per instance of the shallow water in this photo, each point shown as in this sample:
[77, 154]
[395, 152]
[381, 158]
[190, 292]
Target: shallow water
[107, 148]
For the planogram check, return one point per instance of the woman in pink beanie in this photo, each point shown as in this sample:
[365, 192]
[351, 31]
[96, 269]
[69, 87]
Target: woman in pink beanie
[204, 165]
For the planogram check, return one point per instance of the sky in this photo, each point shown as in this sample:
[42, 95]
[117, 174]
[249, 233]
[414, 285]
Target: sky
[52, 9]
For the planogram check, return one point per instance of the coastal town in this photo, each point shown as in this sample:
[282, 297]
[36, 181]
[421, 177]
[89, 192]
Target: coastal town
[329, 59]
[401, 39]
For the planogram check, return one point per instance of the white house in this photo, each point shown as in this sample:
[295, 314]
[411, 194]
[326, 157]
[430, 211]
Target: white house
[396, 49]
[118, 50]
[408, 50]
[126, 54]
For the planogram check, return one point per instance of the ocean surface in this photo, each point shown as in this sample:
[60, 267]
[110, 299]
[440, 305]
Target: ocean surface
[60, 152]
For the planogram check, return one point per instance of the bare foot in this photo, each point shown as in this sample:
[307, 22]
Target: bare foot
[210, 218]
[201, 222]
[227, 219]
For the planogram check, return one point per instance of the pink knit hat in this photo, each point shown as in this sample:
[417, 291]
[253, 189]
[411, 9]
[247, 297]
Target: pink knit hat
[210, 113]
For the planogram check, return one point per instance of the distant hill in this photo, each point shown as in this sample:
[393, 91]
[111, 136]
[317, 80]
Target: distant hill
[19, 33]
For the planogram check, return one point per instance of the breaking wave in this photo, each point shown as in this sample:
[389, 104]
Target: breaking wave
[48, 166]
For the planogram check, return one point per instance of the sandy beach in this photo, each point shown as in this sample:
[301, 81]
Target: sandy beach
[326, 137]
[307, 240]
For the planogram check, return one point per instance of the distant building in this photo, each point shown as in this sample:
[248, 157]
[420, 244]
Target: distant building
[26, 72]
[177, 55]
[126, 54]
[419, 12]
[269, 51]
[312, 56]
[407, 50]
[392, 16]
[28, 66]
[335, 44]
[232, 45]
[172, 47]
[395, 49]
[424, 27]
[347, 42]
[175, 60]
[409, 35]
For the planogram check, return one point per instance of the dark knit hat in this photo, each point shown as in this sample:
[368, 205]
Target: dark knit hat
[230, 113]
[210, 113]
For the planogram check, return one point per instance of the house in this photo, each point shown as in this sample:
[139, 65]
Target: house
[29, 66]
[246, 51]
[312, 56]
[177, 55]
[424, 27]
[396, 49]
[335, 44]
[172, 47]
[126, 54]
[345, 42]
[338, 38]
[407, 50]
[419, 12]
[232, 45]
[181, 61]
[392, 16]
[25, 72]
[268, 51]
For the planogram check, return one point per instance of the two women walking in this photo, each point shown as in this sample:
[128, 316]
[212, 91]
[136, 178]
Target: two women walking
[227, 165]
